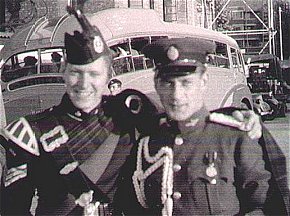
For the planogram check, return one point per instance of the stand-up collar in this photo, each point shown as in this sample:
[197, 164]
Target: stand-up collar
[196, 120]
[67, 106]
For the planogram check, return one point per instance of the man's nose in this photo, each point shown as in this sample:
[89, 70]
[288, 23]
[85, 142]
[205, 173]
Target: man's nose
[84, 80]
[177, 91]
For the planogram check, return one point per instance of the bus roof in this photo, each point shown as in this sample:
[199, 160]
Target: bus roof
[114, 24]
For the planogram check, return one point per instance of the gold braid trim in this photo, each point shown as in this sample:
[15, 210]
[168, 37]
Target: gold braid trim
[163, 157]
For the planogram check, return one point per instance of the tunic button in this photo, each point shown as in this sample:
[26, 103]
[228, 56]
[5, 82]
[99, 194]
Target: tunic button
[176, 167]
[78, 113]
[176, 195]
[178, 140]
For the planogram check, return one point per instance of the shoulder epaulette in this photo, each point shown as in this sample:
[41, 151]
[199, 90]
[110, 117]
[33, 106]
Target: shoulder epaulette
[40, 115]
[223, 119]
[22, 134]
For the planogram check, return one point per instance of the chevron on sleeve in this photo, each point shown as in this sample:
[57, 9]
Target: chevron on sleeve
[21, 133]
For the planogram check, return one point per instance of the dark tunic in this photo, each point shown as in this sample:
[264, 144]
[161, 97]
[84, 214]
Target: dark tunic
[240, 185]
[54, 144]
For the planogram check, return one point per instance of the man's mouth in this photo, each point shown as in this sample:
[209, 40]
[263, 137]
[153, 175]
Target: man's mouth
[83, 93]
[176, 106]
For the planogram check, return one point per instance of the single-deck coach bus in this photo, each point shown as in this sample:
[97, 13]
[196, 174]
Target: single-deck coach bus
[32, 62]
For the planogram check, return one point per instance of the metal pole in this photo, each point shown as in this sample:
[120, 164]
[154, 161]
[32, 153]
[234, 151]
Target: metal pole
[220, 12]
[280, 33]
[273, 32]
[151, 3]
[213, 14]
[203, 14]
[164, 10]
[2, 15]
[269, 26]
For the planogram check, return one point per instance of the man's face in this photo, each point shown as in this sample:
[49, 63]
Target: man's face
[86, 83]
[115, 88]
[181, 96]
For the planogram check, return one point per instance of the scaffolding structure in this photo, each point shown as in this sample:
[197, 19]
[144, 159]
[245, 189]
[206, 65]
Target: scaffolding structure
[267, 29]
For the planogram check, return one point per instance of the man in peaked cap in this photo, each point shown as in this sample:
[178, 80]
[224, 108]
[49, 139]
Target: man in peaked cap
[192, 165]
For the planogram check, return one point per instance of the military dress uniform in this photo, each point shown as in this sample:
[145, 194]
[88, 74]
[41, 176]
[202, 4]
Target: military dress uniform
[51, 152]
[216, 170]
[198, 166]
[64, 159]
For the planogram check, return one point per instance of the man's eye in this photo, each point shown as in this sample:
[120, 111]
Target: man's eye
[94, 74]
[74, 73]
[167, 83]
[187, 83]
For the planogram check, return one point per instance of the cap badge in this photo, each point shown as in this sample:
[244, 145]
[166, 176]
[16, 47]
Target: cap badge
[172, 53]
[98, 44]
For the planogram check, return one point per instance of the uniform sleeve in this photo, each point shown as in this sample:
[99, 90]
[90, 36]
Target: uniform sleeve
[17, 188]
[251, 177]
[132, 109]
[276, 163]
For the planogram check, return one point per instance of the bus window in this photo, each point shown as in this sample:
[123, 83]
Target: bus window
[234, 58]
[237, 60]
[128, 56]
[149, 62]
[154, 38]
[139, 60]
[52, 61]
[241, 63]
[221, 55]
[122, 62]
[20, 65]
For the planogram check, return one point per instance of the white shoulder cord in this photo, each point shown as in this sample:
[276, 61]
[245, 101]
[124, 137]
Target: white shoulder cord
[163, 157]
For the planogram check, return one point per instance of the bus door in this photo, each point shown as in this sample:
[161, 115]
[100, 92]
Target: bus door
[238, 66]
[221, 78]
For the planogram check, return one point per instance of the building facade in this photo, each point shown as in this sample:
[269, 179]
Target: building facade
[237, 19]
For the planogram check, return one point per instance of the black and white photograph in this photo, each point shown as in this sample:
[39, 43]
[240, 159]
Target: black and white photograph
[144, 107]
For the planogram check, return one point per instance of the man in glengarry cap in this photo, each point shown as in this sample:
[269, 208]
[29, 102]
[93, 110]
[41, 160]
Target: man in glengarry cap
[68, 157]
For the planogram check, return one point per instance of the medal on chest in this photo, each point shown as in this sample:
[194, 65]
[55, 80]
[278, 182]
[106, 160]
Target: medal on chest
[211, 170]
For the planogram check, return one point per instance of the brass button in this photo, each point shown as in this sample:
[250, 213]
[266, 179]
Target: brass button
[178, 140]
[213, 181]
[78, 114]
[176, 167]
[176, 195]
